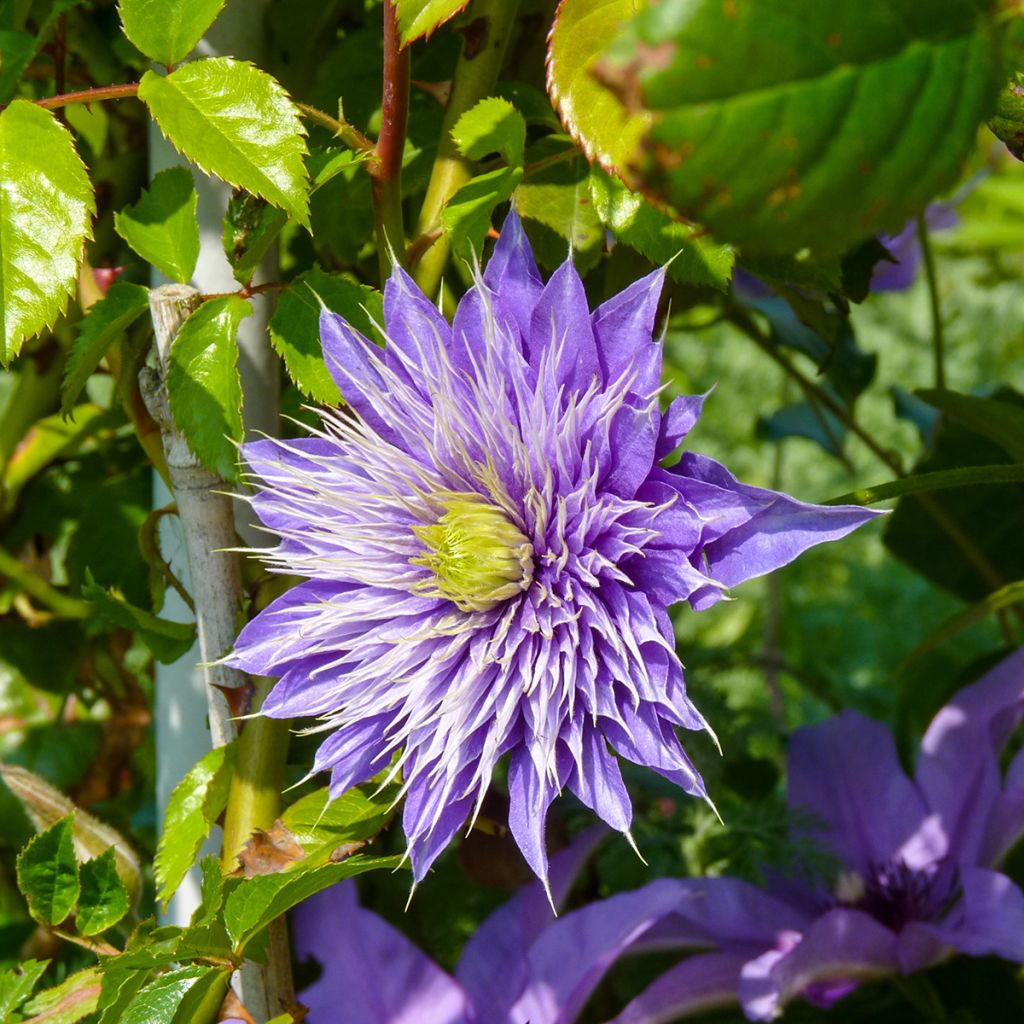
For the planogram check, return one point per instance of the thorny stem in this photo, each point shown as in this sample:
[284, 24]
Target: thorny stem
[742, 319]
[483, 52]
[104, 92]
[938, 334]
[349, 135]
[387, 170]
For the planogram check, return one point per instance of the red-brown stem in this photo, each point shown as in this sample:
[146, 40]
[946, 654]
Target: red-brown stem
[105, 92]
[387, 171]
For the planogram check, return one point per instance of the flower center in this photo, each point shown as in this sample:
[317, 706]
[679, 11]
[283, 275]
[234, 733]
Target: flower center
[478, 557]
[895, 894]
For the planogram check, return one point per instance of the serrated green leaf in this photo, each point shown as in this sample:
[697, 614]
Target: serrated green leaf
[1002, 422]
[194, 805]
[46, 805]
[167, 30]
[295, 333]
[74, 998]
[48, 873]
[492, 126]
[596, 118]
[162, 226]
[257, 901]
[17, 983]
[104, 900]
[118, 989]
[166, 639]
[46, 207]
[467, 215]
[420, 18]
[780, 139]
[203, 385]
[102, 326]
[161, 1001]
[319, 823]
[691, 259]
[236, 122]
[251, 226]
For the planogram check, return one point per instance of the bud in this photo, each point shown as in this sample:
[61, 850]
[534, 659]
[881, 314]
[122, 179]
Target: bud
[478, 557]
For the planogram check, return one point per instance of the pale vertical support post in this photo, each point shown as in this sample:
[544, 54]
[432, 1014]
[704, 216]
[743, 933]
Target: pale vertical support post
[182, 736]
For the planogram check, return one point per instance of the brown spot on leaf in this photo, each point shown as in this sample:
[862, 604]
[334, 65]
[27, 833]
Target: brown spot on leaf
[704, 62]
[475, 34]
[791, 143]
[269, 852]
[624, 80]
[729, 8]
[834, 40]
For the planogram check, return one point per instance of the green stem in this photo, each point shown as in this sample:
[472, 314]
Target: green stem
[938, 334]
[476, 74]
[45, 593]
[255, 798]
[351, 136]
[387, 171]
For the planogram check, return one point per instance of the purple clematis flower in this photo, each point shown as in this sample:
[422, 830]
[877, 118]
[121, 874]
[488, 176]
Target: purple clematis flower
[918, 880]
[491, 546]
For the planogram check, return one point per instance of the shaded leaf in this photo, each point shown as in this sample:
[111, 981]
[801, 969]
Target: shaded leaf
[251, 226]
[46, 206]
[938, 480]
[203, 385]
[295, 332]
[48, 873]
[104, 900]
[421, 18]
[694, 260]
[236, 122]
[167, 32]
[162, 226]
[1002, 422]
[492, 126]
[258, 901]
[17, 983]
[102, 326]
[16, 52]
[802, 419]
[467, 215]
[816, 138]
[194, 805]
[166, 639]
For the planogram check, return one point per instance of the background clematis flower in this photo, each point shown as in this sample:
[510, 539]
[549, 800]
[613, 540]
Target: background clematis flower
[491, 546]
[918, 879]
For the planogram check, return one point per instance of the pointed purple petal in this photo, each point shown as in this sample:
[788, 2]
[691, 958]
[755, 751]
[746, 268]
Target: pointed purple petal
[416, 331]
[561, 324]
[512, 274]
[845, 772]
[623, 329]
[678, 420]
[530, 796]
[370, 971]
[990, 918]
[597, 781]
[695, 986]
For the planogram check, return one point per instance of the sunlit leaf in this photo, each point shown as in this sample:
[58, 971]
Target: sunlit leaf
[167, 32]
[48, 873]
[421, 18]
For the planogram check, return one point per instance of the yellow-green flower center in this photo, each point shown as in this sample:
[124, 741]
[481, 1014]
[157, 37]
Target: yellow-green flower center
[479, 558]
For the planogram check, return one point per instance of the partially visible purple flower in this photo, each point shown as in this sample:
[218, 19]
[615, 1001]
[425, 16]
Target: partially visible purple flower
[918, 880]
[898, 274]
[491, 549]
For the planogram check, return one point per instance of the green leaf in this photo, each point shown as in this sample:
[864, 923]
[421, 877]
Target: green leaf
[806, 124]
[203, 385]
[236, 122]
[46, 206]
[74, 998]
[691, 259]
[320, 824]
[940, 480]
[467, 215]
[420, 18]
[104, 899]
[166, 639]
[16, 984]
[162, 226]
[177, 996]
[118, 990]
[251, 226]
[194, 805]
[295, 332]
[46, 805]
[16, 52]
[257, 901]
[558, 196]
[48, 873]
[102, 326]
[1002, 422]
[167, 30]
[492, 126]
[596, 118]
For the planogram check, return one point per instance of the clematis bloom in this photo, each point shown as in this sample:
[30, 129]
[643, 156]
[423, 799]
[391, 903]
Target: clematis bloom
[491, 545]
